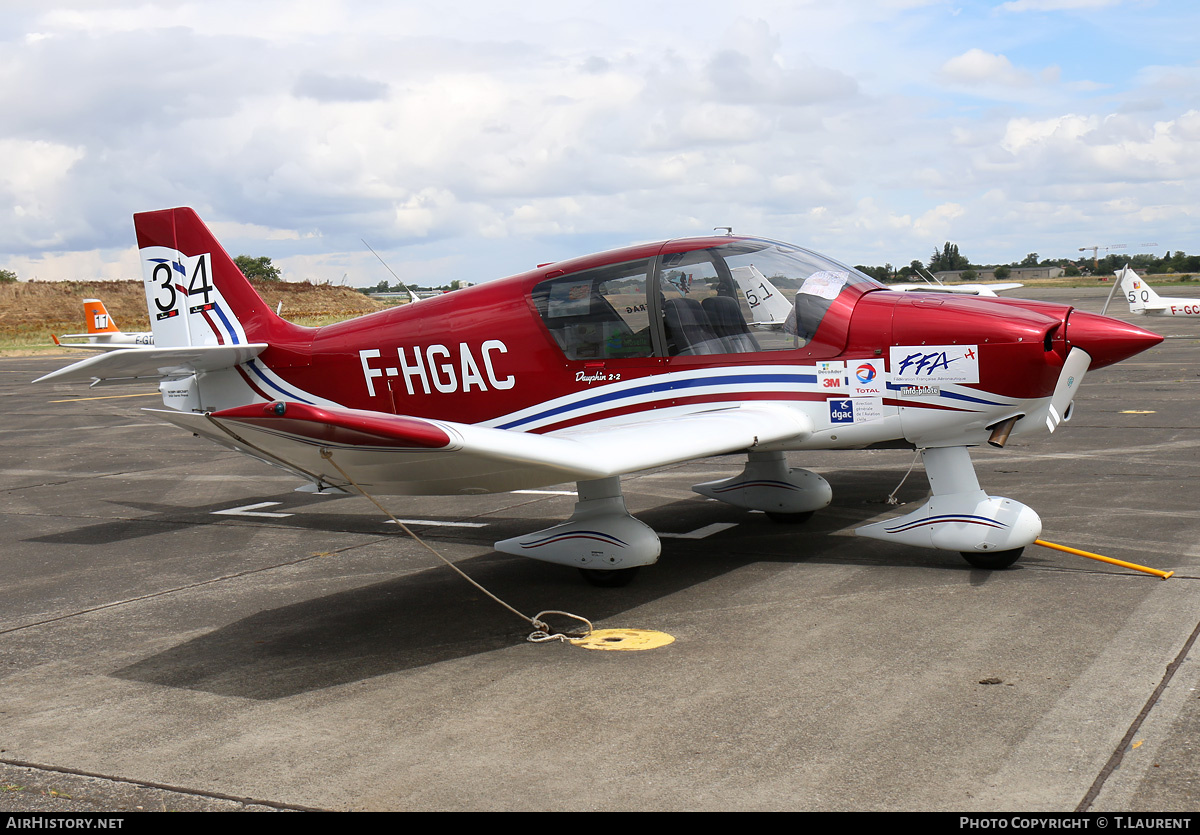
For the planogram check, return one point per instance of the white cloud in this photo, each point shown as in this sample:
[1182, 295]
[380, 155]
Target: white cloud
[225, 229]
[863, 128]
[976, 67]
[1022, 134]
[32, 167]
[101, 264]
[937, 223]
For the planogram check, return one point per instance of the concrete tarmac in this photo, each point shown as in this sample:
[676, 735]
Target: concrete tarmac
[181, 630]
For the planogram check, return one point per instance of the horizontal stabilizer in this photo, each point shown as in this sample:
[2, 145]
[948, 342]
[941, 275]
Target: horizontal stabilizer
[155, 363]
[413, 456]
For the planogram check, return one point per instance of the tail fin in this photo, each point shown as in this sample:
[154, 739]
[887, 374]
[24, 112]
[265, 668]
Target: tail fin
[95, 316]
[760, 292]
[1137, 292]
[195, 293]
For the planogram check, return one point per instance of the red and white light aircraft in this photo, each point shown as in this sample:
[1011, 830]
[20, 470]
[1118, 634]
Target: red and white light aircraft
[589, 369]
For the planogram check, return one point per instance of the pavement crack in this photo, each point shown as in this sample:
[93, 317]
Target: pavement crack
[1114, 761]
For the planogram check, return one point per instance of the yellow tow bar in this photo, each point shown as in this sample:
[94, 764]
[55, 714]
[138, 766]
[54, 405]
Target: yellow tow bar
[1163, 574]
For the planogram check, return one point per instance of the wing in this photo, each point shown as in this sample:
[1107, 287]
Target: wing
[155, 363]
[964, 289]
[396, 454]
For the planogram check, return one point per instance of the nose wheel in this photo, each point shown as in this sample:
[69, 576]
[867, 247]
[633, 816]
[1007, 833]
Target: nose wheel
[992, 560]
[789, 518]
[615, 579]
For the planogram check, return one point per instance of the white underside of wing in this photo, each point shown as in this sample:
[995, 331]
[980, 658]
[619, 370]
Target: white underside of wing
[155, 363]
[480, 459]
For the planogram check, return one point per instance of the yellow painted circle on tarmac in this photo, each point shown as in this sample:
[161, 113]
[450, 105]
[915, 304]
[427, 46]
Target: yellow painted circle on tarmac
[629, 640]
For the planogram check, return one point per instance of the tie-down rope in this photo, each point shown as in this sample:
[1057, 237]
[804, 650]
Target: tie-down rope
[541, 631]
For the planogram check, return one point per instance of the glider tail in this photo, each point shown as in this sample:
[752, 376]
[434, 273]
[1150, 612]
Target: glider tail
[1137, 292]
[95, 315]
[766, 302]
[195, 293]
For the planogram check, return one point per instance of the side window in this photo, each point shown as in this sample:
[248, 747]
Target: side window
[691, 291]
[598, 314]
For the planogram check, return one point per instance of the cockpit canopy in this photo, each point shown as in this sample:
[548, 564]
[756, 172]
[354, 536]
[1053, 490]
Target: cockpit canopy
[741, 296]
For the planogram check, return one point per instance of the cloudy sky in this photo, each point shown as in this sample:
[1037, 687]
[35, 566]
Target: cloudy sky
[462, 141]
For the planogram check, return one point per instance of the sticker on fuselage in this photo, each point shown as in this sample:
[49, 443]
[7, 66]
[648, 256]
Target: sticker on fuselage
[856, 410]
[831, 375]
[841, 411]
[925, 364]
[867, 378]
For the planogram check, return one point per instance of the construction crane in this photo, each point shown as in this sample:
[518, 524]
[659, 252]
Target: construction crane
[1096, 250]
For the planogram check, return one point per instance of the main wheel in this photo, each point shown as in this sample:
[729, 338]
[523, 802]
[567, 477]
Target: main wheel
[789, 518]
[992, 560]
[609, 579]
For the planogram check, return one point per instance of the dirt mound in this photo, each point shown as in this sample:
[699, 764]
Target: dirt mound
[57, 306]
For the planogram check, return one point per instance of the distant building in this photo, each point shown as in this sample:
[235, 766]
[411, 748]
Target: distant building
[1014, 274]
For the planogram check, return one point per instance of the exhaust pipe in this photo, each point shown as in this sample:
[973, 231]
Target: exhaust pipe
[1002, 430]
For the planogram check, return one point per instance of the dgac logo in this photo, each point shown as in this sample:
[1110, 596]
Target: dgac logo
[865, 374]
[436, 364]
[841, 411]
[930, 363]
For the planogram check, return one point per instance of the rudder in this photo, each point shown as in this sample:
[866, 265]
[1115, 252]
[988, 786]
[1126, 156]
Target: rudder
[1137, 292]
[195, 293]
[95, 316]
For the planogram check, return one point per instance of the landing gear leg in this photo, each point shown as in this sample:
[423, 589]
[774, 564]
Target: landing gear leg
[989, 531]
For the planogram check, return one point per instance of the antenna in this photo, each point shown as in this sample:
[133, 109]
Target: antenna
[932, 279]
[412, 297]
[728, 229]
[1116, 283]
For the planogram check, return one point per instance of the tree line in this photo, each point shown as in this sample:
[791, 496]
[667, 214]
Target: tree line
[948, 259]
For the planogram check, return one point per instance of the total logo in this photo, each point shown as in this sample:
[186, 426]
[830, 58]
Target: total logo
[867, 379]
